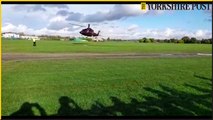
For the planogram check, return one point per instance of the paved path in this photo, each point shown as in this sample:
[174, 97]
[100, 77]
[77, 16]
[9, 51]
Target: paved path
[46, 56]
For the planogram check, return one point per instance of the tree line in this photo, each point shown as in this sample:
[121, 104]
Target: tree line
[185, 40]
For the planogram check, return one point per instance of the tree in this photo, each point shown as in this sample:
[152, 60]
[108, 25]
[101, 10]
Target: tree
[144, 39]
[206, 41]
[186, 39]
[140, 41]
[152, 40]
[108, 39]
[165, 41]
[193, 40]
[72, 38]
[173, 40]
[158, 40]
[198, 41]
[210, 40]
[169, 41]
[147, 41]
[180, 41]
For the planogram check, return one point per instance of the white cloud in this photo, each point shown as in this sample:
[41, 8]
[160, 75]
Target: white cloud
[28, 8]
[40, 16]
[168, 32]
[12, 28]
[110, 19]
[59, 22]
[201, 33]
[107, 31]
[44, 31]
[132, 27]
[39, 7]
[118, 11]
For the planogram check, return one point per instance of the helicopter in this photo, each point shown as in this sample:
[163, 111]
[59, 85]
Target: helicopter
[89, 32]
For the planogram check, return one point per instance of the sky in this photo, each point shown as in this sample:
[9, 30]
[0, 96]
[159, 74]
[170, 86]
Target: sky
[118, 21]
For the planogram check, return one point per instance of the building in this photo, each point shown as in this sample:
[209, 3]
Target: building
[28, 37]
[11, 35]
[14, 35]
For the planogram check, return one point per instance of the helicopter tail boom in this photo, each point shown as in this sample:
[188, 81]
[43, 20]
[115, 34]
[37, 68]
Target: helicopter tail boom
[98, 32]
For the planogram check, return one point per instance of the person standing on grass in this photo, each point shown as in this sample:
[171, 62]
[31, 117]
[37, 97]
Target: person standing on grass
[34, 42]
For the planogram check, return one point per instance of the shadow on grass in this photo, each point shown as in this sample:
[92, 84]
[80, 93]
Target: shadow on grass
[167, 102]
[26, 109]
[203, 78]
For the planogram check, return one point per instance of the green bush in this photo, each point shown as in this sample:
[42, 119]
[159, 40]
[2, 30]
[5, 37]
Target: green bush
[140, 41]
[147, 41]
[180, 41]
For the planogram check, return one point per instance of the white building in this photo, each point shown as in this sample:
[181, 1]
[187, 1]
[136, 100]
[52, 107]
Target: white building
[10, 35]
[19, 35]
[30, 37]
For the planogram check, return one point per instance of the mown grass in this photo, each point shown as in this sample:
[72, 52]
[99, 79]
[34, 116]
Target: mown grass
[25, 46]
[151, 86]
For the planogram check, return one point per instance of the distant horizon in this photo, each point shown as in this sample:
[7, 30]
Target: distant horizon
[102, 38]
[117, 21]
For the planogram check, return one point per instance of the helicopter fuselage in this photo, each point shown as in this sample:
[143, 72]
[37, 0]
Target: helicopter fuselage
[88, 32]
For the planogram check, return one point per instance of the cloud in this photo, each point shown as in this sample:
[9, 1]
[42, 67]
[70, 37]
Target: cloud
[34, 8]
[54, 19]
[12, 28]
[117, 12]
[59, 22]
[74, 16]
[106, 31]
[168, 32]
[202, 33]
[209, 14]
[178, 33]
[135, 31]
[28, 8]
[59, 6]
[43, 31]
[62, 13]
[132, 27]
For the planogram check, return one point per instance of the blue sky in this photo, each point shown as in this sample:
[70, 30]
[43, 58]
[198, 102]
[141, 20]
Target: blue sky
[115, 21]
[188, 20]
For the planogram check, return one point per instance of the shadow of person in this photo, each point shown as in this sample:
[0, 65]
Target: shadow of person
[202, 77]
[26, 110]
[68, 107]
[119, 107]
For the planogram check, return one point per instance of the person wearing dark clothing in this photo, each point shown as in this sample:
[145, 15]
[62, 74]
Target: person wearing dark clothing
[34, 42]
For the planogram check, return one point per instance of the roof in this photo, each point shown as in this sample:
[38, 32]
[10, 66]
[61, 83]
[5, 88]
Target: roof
[10, 33]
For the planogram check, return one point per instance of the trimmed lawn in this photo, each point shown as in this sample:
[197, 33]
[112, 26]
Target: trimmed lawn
[25, 46]
[150, 86]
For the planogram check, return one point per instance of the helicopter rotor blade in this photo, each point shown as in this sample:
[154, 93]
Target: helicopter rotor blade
[77, 25]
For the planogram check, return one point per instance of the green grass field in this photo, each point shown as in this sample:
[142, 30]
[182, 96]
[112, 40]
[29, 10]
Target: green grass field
[157, 87]
[114, 87]
[25, 46]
